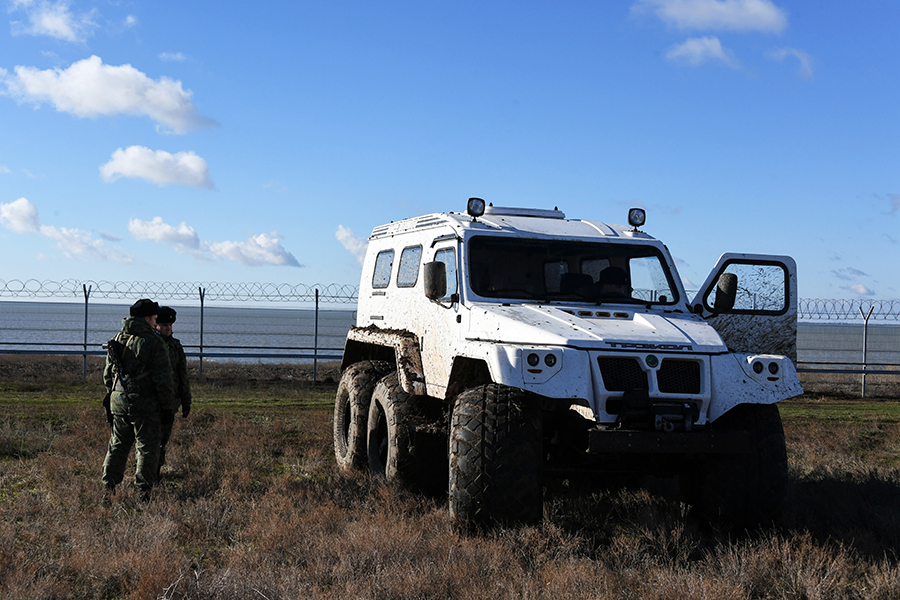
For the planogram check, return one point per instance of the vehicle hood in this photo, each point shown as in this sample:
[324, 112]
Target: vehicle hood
[578, 327]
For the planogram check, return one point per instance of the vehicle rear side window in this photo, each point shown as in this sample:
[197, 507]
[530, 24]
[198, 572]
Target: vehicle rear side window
[383, 264]
[408, 272]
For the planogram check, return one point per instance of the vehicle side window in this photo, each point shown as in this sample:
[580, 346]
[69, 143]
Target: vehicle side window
[761, 288]
[408, 272]
[382, 275]
[448, 257]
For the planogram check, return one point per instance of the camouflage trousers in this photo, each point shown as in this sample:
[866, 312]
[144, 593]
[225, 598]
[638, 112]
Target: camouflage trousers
[143, 432]
[165, 435]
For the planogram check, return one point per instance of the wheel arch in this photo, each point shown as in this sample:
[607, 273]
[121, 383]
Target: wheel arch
[397, 346]
[467, 373]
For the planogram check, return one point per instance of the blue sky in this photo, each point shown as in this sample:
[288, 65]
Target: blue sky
[262, 142]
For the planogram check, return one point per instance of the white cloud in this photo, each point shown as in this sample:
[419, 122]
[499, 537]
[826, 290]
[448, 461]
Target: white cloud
[81, 245]
[259, 250]
[20, 216]
[725, 15]
[849, 273]
[697, 51]
[88, 88]
[805, 70]
[351, 243]
[182, 237]
[53, 19]
[4, 169]
[160, 167]
[131, 21]
[859, 289]
[172, 56]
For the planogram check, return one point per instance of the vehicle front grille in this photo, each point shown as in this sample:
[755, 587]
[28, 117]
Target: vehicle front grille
[678, 377]
[621, 374]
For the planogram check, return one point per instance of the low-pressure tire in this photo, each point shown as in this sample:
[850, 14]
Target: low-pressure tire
[351, 408]
[495, 457]
[748, 490]
[390, 438]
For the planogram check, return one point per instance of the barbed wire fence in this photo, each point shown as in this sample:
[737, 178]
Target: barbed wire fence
[75, 289]
[26, 335]
[287, 337]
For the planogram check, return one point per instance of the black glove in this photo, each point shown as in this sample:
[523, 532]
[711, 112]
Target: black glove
[185, 410]
[167, 417]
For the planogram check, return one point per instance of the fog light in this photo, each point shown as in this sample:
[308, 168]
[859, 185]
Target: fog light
[757, 367]
[550, 360]
[533, 360]
[773, 367]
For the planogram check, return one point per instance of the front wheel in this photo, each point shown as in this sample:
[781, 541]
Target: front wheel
[495, 457]
[746, 490]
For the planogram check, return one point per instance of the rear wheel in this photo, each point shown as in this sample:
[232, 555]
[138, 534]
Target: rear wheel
[391, 434]
[495, 457]
[746, 490]
[351, 408]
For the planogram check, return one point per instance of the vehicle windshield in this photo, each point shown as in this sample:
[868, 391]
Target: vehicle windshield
[551, 270]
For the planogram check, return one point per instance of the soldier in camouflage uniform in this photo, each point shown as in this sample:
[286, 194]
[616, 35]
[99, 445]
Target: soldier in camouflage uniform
[139, 379]
[178, 360]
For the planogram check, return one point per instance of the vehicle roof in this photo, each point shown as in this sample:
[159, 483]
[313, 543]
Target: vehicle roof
[512, 221]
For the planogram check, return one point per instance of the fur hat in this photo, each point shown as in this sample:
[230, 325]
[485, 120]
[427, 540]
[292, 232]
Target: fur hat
[166, 315]
[144, 308]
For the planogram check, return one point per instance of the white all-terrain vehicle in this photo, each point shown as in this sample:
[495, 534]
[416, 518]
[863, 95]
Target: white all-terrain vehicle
[504, 346]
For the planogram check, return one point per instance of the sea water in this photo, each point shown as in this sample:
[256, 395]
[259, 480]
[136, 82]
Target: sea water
[232, 329]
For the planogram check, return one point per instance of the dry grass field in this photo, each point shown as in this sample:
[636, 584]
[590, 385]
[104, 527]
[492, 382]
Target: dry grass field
[252, 507]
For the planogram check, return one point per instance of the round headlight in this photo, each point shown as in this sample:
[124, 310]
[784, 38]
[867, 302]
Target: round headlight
[757, 367]
[533, 360]
[550, 360]
[773, 367]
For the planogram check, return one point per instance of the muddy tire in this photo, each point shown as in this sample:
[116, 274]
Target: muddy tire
[746, 491]
[495, 457]
[391, 434]
[351, 408]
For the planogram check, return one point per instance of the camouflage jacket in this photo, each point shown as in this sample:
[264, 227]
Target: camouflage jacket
[145, 386]
[179, 372]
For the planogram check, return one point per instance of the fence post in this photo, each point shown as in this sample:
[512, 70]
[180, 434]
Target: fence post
[316, 342]
[865, 345]
[87, 292]
[202, 296]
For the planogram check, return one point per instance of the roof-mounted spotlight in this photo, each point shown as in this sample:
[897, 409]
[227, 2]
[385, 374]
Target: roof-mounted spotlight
[636, 217]
[475, 208]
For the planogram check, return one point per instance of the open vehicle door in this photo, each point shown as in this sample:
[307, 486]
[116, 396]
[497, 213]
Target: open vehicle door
[751, 300]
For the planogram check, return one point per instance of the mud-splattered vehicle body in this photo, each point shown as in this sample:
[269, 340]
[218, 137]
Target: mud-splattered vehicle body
[502, 346]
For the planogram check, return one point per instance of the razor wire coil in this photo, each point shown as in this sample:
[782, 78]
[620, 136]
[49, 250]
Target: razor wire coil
[215, 291]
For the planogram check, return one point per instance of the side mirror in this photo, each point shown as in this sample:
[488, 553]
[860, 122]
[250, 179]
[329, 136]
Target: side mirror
[726, 292]
[435, 280]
